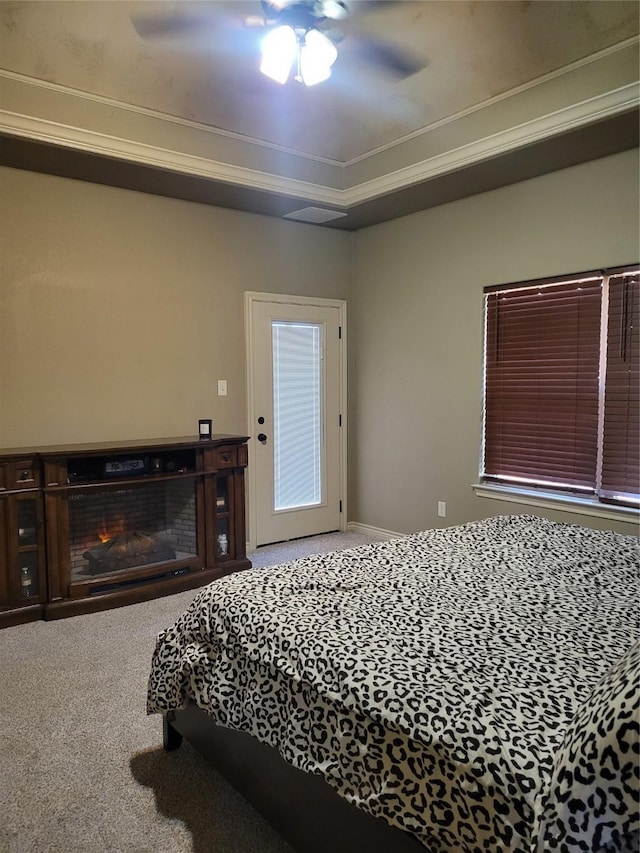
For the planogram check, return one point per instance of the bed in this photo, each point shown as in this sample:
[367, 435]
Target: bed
[473, 688]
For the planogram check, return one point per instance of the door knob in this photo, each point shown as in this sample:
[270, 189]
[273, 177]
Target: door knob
[262, 437]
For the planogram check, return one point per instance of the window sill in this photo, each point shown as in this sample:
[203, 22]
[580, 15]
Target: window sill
[554, 500]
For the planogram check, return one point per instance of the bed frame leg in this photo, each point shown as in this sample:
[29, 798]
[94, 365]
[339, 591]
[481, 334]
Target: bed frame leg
[171, 739]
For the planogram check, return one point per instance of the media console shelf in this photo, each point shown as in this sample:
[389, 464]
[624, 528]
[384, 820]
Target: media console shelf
[94, 526]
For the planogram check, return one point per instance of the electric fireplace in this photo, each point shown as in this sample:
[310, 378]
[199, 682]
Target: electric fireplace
[119, 523]
[115, 530]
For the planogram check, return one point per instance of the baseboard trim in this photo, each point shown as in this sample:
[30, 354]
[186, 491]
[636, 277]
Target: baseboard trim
[356, 527]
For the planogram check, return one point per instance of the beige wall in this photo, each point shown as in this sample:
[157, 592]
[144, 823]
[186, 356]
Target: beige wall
[119, 310]
[416, 330]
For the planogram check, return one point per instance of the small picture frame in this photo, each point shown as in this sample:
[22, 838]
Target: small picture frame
[205, 428]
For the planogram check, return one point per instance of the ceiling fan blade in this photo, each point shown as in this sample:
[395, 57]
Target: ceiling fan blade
[157, 26]
[397, 61]
[367, 6]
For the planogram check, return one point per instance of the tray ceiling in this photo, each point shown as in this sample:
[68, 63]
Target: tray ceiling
[487, 68]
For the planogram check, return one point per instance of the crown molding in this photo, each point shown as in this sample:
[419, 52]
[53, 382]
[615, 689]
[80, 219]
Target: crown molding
[558, 74]
[45, 130]
[561, 121]
[166, 118]
[90, 141]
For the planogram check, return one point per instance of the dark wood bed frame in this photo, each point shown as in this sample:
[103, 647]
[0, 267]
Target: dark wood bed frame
[302, 807]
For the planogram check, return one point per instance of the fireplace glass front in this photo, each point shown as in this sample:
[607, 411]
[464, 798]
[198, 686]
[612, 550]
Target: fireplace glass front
[114, 530]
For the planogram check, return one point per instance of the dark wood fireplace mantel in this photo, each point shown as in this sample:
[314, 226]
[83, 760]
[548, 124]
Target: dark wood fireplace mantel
[89, 527]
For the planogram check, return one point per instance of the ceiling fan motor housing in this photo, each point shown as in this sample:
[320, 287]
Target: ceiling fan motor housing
[303, 14]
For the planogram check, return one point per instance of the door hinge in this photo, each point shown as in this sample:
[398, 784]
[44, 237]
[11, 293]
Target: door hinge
[340, 506]
[339, 333]
[339, 420]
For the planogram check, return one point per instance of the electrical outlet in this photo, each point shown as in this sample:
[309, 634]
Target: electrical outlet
[222, 387]
[442, 509]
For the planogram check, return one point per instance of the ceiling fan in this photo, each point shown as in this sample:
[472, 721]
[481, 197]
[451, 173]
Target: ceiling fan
[298, 12]
[301, 36]
[296, 37]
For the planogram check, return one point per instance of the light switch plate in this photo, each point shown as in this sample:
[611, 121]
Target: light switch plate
[222, 387]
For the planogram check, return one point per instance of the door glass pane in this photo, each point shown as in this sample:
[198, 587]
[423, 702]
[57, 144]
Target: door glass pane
[297, 414]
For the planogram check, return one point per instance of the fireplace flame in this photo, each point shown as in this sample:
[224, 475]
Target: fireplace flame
[107, 532]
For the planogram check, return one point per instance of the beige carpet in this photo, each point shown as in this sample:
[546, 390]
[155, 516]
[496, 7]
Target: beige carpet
[82, 769]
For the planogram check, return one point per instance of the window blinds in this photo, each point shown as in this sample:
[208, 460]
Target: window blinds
[297, 414]
[621, 439]
[562, 384]
[541, 383]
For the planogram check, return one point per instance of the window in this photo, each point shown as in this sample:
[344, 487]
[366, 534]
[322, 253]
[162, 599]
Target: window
[297, 414]
[562, 385]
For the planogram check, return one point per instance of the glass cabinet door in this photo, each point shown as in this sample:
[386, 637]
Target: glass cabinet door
[29, 581]
[27, 561]
[224, 537]
[27, 522]
[21, 550]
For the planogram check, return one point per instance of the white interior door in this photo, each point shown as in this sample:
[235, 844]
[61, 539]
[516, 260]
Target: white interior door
[296, 411]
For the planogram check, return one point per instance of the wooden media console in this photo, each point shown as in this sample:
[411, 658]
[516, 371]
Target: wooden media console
[94, 526]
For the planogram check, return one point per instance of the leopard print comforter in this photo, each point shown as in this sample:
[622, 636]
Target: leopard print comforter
[433, 680]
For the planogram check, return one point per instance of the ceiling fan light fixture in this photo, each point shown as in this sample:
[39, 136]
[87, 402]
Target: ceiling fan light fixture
[317, 55]
[312, 52]
[279, 49]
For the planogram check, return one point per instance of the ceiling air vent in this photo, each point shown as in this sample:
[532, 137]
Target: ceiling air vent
[314, 214]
